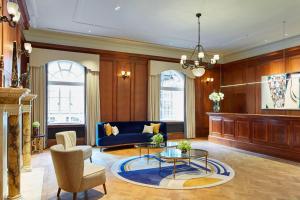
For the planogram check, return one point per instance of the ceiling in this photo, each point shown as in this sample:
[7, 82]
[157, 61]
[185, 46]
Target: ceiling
[227, 26]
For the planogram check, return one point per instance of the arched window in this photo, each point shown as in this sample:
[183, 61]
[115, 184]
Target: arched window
[172, 96]
[66, 92]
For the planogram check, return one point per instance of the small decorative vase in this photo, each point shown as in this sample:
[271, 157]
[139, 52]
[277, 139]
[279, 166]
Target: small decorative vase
[216, 106]
[36, 131]
[183, 150]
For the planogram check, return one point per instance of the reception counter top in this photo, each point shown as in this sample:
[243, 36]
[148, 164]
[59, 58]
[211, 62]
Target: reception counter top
[275, 135]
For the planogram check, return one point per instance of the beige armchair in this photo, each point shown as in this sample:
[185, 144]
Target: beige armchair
[73, 174]
[68, 140]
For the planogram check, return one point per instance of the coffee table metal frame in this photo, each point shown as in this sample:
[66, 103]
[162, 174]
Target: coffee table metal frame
[151, 145]
[193, 153]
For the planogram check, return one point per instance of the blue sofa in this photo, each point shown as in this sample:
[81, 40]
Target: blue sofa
[129, 133]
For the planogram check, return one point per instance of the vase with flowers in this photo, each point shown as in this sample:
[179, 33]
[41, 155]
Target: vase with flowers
[216, 97]
[36, 128]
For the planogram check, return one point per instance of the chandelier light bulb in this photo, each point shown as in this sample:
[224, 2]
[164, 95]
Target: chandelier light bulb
[183, 57]
[196, 62]
[201, 54]
[12, 8]
[216, 57]
[16, 17]
[213, 61]
[122, 73]
[181, 61]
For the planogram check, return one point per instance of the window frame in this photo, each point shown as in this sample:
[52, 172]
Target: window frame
[67, 84]
[173, 89]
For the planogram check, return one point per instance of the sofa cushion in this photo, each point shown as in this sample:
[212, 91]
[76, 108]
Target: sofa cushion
[128, 138]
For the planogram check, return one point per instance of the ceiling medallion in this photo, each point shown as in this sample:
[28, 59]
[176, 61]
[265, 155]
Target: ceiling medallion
[202, 61]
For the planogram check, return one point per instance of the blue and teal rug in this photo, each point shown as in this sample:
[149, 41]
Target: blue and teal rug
[146, 172]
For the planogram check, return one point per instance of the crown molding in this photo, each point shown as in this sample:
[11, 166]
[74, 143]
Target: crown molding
[264, 49]
[103, 43]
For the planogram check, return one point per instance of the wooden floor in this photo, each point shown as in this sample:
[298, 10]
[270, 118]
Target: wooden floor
[257, 177]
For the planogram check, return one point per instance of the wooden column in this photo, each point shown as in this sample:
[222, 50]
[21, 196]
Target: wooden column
[26, 131]
[10, 106]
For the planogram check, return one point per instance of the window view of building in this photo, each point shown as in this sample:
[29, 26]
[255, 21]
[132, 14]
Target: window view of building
[66, 92]
[172, 96]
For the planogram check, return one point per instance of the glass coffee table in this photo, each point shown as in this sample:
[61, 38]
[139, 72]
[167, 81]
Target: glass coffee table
[151, 145]
[176, 154]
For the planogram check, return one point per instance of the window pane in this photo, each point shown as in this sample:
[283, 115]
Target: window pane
[172, 96]
[66, 99]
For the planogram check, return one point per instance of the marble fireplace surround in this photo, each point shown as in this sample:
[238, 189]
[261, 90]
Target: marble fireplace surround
[11, 130]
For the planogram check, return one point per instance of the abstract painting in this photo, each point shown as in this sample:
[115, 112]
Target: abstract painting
[281, 91]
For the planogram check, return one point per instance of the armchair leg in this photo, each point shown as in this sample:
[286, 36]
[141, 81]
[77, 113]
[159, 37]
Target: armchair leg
[100, 149]
[104, 187]
[91, 159]
[74, 196]
[58, 192]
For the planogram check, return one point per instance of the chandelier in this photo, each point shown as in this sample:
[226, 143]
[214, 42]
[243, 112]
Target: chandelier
[202, 61]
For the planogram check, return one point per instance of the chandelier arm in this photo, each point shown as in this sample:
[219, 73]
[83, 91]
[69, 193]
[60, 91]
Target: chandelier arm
[193, 52]
[199, 32]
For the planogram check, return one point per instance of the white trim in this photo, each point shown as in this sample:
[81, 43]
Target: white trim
[275, 46]
[104, 43]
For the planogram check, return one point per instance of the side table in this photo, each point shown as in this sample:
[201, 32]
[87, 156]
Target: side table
[37, 143]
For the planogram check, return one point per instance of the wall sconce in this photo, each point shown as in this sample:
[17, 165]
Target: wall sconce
[209, 80]
[27, 49]
[14, 14]
[125, 74]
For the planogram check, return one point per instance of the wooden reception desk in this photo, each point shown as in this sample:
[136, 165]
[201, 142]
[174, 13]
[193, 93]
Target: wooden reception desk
[275, 135]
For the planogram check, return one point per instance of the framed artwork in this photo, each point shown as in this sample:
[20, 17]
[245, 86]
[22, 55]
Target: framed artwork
[281, 91]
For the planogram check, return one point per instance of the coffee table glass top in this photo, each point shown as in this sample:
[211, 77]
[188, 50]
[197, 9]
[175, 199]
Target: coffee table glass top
[177, 154]
[152, 145]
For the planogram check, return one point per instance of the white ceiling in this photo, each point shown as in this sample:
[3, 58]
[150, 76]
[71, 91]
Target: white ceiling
[227, 26]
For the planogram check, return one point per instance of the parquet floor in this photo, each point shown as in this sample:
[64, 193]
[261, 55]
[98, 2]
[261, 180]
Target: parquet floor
[257, 177]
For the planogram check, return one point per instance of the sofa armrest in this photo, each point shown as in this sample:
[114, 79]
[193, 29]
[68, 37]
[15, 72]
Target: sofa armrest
[100, 131]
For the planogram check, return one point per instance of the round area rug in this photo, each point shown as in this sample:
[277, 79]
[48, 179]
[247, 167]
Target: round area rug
[145, 171]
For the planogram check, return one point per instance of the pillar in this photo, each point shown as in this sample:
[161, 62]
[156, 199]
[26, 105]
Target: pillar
[26, 131]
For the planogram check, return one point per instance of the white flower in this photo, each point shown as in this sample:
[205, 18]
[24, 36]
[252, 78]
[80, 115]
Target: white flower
[216, 96]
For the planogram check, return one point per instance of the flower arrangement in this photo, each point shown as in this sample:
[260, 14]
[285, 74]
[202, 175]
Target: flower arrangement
[157, 139]
[36, 124]
[216, 96]
[184, 146]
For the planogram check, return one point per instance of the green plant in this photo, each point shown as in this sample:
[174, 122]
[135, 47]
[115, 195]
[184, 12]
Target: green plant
[36, 124]
[184, 145]
[157, 138]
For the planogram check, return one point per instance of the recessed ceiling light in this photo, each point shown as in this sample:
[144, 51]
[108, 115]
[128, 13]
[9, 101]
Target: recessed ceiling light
[90, 31]
[286, 34]
[117, 8]
[266, 41]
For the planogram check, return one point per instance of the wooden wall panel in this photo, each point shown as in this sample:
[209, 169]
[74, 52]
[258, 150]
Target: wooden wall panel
[228, 127]
[260, 131]
[242, 130]
[123, 100]
[279, 133]
[106, 89]
[140, 88]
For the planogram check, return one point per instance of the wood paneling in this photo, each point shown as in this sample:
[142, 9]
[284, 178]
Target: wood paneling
[274, 135]
[228, 127]
[259, 131]
[279, 133]
[123, 100]
[242, 129]
[246, 98]
[9, 35]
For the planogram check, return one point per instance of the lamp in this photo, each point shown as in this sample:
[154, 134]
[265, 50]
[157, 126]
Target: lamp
[14, 14]
[27, 49]
[202, 61]
[209, 80]
[125, 74]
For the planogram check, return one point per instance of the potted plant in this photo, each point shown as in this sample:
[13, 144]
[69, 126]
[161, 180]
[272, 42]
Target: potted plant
[184, 146]
[157, 139]
[36, 128]
[216, 97]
